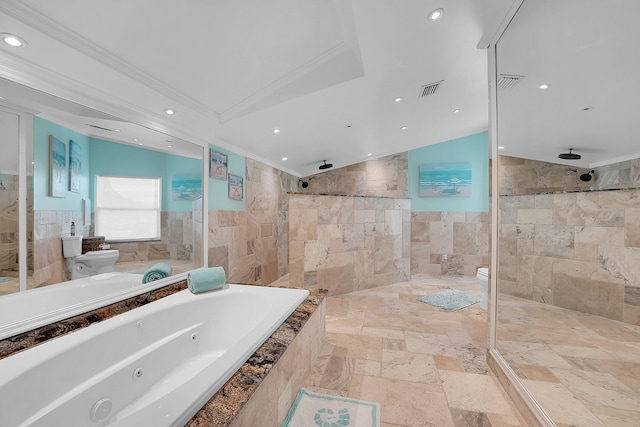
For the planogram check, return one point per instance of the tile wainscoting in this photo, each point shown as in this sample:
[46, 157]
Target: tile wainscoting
[345, 244]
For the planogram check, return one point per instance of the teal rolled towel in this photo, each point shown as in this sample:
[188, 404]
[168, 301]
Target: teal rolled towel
[156, 272]
[206, 279]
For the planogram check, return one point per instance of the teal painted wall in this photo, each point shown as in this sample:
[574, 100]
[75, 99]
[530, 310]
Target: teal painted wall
[113, 159]
[473, 149]
[219, 190]
[101, 157]
[72, 201]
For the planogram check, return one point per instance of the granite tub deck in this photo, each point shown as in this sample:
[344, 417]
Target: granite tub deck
[249, 394]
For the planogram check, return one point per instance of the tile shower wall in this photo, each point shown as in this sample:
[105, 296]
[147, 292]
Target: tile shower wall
[384, 177]
[9, 225]
[577, 250]
[48, 228]
[455, 243]
[451, 243]
[253, 245]
[346, 244]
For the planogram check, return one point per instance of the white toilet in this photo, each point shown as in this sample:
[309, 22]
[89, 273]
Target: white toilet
[93, 262]
[483, 277]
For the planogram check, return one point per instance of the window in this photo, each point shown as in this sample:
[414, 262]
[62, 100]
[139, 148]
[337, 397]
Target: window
[128, 208]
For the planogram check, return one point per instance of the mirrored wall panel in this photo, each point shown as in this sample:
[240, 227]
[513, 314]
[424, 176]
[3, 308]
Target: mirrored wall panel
[568, 304]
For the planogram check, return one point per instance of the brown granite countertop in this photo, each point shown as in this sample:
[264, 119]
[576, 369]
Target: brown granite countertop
[32, 338]
[223, 407]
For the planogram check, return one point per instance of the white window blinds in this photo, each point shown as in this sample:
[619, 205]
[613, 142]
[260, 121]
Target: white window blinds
[128, 208]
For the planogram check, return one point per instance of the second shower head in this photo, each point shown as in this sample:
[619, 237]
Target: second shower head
[586, 177]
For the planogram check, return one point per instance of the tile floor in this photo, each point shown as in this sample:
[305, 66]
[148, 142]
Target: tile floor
[423, 365]
[583, 369]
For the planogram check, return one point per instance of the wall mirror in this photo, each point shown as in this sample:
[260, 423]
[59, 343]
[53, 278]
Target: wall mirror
[567, 320]
[105, 145]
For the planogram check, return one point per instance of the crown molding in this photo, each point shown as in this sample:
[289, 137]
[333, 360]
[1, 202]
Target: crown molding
[45, 25]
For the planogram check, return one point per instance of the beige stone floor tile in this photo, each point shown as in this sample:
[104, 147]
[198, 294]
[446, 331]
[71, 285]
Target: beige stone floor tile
[448, 363]
[395, 334]
[366, 367]
[418, 342]
[525, 353]
[474, 392]
[617, 417]
[392, 344]
[538, 373]
[393, 321]
[406, 366]
[357, 346]
[403, 402]
[561, 405]
[343, 325]
[337, 374]
[627, 372]
[501, 420]
[598, 389]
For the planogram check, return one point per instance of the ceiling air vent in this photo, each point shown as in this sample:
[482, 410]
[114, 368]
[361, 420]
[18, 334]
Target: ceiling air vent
[508, 81]
[430, 89]
[100, 127]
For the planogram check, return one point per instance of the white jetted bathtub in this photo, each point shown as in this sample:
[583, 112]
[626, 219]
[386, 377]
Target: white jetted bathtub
[23, 311]
[153, 366]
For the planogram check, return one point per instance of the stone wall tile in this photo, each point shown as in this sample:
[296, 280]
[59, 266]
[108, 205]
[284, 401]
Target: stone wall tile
[632, 227]
[611, 236]
[554, 240]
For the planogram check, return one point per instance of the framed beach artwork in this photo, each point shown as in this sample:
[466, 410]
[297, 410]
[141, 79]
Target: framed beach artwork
[186, 187]
[445, 180]
[236, 187]
[217, 164]
[57, 167]
[75, 166]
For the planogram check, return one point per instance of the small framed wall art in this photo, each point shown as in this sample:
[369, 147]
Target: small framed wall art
[57, 167]
[236, 187]
[217, 164]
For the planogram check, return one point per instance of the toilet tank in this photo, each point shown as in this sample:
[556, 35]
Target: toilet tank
[71, 246]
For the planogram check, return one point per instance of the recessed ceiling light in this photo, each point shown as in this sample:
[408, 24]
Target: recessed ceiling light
[168, 146]
[369, 154]
[398, 99]
[276, 131]
[13, 40]
[403, 128]
[169, 111]
[456, 111]
[500, 147]
[588, 108]
[285, 159]
[544, 86]
[348, 125]
[436, 14]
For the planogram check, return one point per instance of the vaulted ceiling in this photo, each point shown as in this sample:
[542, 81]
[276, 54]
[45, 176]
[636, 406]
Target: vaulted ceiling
[325, 73]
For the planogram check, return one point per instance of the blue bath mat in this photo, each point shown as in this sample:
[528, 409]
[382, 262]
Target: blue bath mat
[451, 299]
[311, 410]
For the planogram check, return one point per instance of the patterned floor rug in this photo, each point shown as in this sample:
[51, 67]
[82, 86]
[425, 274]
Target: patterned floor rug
[451, 299]
[312, 409]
